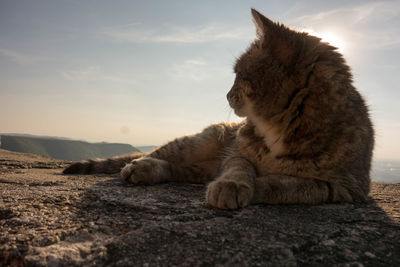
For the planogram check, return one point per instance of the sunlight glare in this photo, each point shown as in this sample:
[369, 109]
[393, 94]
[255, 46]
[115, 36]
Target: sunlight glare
[329, 37]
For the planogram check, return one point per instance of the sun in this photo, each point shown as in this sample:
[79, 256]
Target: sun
[330, 37]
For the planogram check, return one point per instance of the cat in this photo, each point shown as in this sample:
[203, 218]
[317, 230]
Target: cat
[306, 137]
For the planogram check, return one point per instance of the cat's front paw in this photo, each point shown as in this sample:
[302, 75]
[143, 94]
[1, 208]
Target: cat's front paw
[225, 194]
[146, 171]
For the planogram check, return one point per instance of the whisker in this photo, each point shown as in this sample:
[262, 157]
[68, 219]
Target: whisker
[229, 115]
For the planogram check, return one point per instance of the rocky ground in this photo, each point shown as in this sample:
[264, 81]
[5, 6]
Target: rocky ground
[51, 219]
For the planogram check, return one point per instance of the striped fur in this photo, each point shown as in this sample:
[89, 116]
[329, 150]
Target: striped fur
[306, 137]
[109, 166]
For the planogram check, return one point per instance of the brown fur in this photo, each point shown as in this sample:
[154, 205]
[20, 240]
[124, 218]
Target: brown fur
[307, 137]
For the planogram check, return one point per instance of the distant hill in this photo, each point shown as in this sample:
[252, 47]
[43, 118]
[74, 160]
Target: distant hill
[63, 148]
[146, 149]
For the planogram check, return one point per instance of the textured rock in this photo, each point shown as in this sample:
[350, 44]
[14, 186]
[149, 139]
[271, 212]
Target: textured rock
[47, 218]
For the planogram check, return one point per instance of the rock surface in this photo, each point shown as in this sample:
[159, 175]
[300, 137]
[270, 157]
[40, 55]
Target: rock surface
[51, 219]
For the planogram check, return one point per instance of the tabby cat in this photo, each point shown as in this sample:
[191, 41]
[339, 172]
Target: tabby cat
[306, 138]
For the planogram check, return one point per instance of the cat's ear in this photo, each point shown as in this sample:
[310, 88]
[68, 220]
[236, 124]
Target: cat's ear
[274, 37]
[263, 24]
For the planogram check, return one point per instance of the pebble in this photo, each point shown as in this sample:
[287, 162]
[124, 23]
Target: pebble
[101, 221]
[370, 255]
[328, 243]
[354, 264]
[84, 234]
[105, 229]
[350, 254]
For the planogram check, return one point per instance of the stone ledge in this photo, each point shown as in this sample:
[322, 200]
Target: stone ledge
[47, 218]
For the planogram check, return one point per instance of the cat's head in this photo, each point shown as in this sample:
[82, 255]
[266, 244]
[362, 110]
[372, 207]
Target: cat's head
[276, 66]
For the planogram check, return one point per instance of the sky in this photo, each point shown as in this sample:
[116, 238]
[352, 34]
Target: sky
[146, 72]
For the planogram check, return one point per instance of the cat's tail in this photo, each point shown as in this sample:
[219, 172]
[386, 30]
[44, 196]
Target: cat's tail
[108, 166]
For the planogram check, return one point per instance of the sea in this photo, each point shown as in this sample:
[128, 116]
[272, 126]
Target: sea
[385, 171]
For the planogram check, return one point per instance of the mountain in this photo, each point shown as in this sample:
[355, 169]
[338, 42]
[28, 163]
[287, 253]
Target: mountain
[386, 171]
[146, 149]
[59, 148]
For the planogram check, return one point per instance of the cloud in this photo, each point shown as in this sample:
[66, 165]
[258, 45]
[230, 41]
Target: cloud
[196, 70]
[355, 15]
[81, 74]
[177, 34]
[373, 25]
[192, 69]
[96, 73]
[19, 58]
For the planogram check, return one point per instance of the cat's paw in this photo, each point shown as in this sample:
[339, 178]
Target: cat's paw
[225, 194]
[146, 171]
